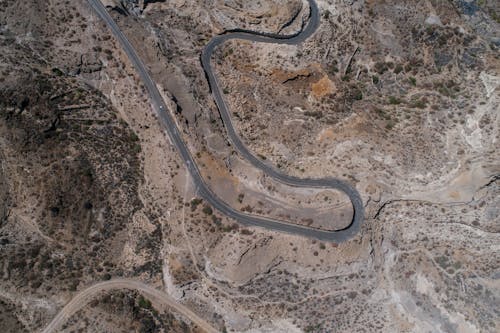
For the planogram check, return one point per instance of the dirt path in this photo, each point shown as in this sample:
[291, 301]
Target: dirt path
[154, 295]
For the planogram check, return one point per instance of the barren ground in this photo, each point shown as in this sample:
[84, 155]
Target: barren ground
[399, 99]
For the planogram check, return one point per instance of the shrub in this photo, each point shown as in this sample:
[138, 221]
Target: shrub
[144, 303]
[207, 210]
[133, 137]
[421, 104]
[314, 114]
[394, 100]
[216, 220]
[57, 71]
[381, 67]
[357, 95]
[136, 148]
[194, 203]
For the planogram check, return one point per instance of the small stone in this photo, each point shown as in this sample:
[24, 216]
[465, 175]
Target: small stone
[433, 20]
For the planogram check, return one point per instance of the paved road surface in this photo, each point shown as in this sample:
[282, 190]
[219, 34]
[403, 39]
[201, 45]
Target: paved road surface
[202, 188]
[156, 296]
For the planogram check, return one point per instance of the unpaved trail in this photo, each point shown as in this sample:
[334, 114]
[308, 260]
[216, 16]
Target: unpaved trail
[154, 295]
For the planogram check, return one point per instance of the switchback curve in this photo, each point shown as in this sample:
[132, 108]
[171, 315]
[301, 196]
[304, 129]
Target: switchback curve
[202, 188]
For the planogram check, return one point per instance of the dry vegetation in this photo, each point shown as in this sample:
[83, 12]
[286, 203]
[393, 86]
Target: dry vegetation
[125, 311]
[399, 99]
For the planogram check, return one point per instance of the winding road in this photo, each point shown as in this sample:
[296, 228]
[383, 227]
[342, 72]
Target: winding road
[202, 188]
[84, 297]
[156, 296]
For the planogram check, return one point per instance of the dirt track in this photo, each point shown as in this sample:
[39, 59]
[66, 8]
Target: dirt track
[156, 296]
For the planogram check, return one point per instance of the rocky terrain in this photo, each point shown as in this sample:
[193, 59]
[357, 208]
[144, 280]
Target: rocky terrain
[401, 99]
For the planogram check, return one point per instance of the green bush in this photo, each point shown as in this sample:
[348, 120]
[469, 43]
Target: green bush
[358, 95]
[398, 69]
[207, 210]
[195, 202]
[57, 71]
[394, 100]
[421, 104]
[144, 303]
[134, 137]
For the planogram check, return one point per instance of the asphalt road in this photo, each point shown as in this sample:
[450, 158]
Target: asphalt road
[202, 188]
[156, 296]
